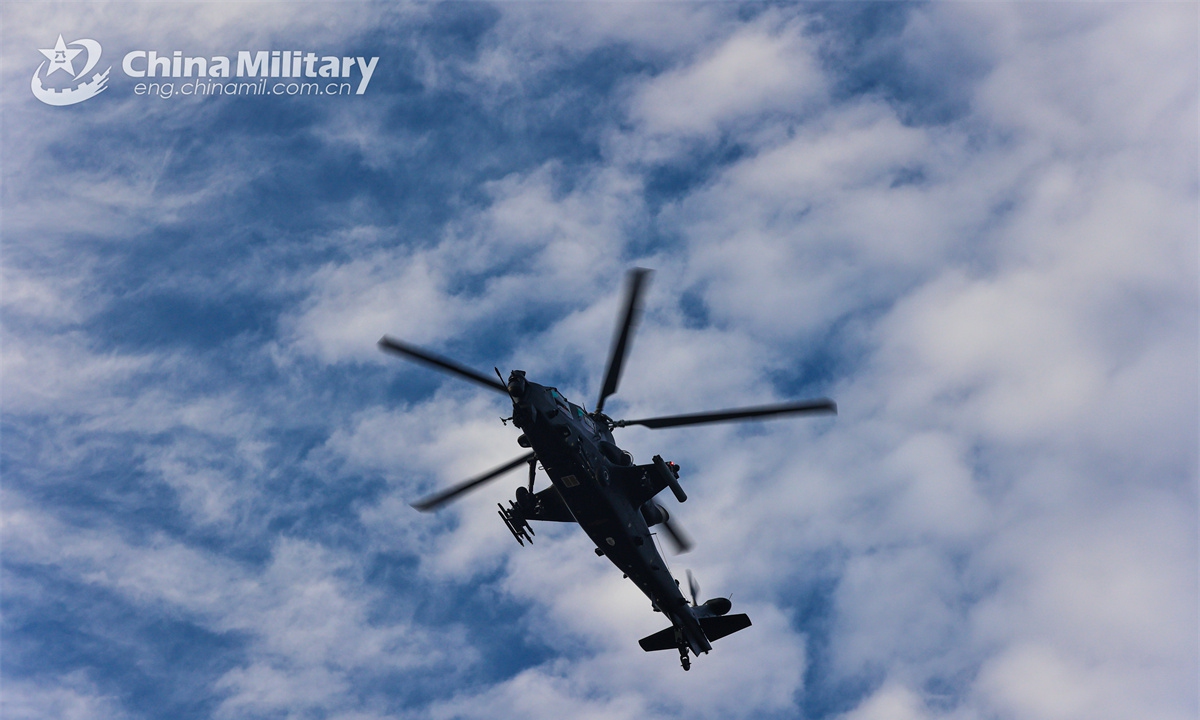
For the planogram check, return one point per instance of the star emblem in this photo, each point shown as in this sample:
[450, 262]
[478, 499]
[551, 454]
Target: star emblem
[60, 57]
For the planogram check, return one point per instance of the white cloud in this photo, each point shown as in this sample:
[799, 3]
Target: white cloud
[891, 702]
[559, 243]
[308, 617]
[1006, 503]
[764, 68]
[72, 698]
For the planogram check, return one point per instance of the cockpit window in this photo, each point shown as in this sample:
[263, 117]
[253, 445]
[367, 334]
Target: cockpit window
[567, 404]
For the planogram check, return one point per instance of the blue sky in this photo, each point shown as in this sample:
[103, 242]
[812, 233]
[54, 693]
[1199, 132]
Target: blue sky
[973, 225]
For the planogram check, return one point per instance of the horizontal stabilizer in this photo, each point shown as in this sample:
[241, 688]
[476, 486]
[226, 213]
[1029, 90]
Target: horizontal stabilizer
[716, 628]
[661, 640]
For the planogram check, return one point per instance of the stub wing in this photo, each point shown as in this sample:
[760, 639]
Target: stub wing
[643, 482]
[548, 507]
[714, 628]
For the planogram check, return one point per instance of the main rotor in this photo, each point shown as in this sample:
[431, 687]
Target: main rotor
[635, 285]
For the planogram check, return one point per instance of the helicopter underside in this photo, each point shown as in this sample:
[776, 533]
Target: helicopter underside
[604, 499]
[596, 484]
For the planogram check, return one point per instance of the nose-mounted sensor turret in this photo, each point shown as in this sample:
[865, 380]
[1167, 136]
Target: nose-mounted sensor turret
[516, 384]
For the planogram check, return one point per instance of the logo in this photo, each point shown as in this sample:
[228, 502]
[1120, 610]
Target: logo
[62, 57]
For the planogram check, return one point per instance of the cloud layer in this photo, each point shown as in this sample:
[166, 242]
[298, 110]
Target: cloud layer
[973, 226]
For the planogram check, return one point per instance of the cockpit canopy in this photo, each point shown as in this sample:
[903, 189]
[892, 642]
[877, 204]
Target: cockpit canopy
[576, 411]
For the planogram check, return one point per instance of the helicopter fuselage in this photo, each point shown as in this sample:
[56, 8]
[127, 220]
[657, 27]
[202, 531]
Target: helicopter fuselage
[597, 485]
[605, 493]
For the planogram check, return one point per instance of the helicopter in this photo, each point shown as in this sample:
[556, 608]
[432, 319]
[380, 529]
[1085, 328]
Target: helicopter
[597, 485]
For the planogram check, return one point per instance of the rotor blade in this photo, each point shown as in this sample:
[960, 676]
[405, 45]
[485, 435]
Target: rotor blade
[694, 587]
[679, 539]
[807, 407]
[415, 353]
[620, 345]
[436, 500]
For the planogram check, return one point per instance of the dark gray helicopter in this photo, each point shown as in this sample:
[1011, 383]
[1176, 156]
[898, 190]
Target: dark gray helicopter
[598, 486]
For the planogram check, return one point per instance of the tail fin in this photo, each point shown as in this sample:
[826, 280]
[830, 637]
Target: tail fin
[714, 628]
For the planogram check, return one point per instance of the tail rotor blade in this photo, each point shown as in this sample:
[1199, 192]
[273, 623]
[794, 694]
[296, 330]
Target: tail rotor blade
[694, 587]
[439, 499]
[620, 346]
[679, 539]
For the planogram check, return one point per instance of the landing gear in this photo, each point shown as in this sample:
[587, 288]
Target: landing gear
[682, 644]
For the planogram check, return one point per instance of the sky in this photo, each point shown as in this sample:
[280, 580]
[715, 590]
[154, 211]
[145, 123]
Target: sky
[973, 225]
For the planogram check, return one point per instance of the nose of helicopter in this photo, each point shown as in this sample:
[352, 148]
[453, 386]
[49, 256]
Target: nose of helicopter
[516, 384]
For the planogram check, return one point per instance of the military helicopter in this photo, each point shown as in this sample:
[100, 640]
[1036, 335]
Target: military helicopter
[597, 484]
